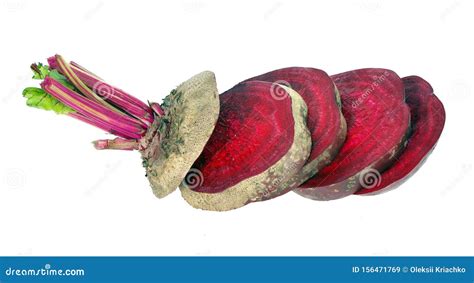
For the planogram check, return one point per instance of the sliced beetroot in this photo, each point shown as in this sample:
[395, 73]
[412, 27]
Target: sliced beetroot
[427, 122]
[258, 143]
[325, 120]
[377, 123]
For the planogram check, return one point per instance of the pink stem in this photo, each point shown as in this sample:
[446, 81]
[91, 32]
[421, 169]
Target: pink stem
[77, 66]
[89, 108]
[104, 126]
[66, 70]
[157, 109]
[117, 143]
[91, 80]
[109, 93]
[100, 92]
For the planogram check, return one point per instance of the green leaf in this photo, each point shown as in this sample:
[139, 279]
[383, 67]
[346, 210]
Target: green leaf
[40, 71]
[38, 98]
[61, 79]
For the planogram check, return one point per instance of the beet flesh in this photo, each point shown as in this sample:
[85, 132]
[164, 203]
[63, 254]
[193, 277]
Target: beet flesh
[427, 123]
[227, 160]
[259, 142]
[377, 123]
[325, 120]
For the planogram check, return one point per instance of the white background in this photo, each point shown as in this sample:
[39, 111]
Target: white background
[59, 196]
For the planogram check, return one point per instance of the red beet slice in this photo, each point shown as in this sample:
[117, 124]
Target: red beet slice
[325, 121]
[377, 123]
[258, 143]
[427, 122]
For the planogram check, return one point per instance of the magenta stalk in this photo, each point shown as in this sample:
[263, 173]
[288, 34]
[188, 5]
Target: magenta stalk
[104, 126]
[117, 143]
[90, 109]
[115, 95]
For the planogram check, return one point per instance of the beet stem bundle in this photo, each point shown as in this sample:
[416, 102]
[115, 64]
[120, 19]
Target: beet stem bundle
[68, 88]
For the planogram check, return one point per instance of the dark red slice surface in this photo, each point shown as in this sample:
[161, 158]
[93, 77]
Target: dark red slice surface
[319, 93]
[427, 119]
[377, 122]
[253, 132]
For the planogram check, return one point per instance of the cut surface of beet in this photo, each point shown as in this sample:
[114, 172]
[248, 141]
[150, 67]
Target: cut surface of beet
[252, 134]
[176, 139]
[325, 121]
[377, 123]
[427, 122]
[258, 143]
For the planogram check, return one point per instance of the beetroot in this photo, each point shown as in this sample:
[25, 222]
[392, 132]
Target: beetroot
[377, 123]
[325, 120]
[427, 122]
[259, 142]
[259, 139]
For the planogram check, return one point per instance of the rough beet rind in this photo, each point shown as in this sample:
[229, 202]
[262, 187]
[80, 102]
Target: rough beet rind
[173, 142]
[377, 123]
[325, 120]
[427, 123]
[259, 142]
